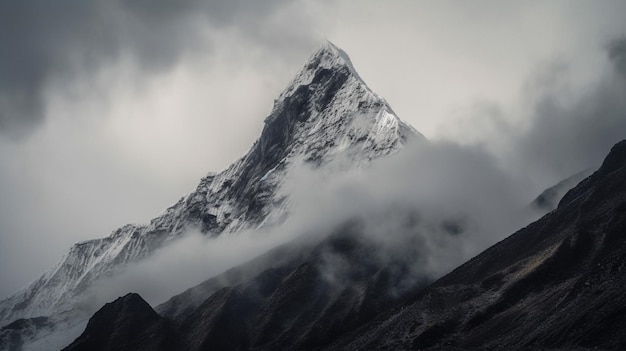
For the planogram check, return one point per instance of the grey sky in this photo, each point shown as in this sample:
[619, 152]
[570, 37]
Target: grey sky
[112, 110]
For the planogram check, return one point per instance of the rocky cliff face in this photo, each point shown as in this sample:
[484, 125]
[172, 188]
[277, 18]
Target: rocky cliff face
[327, 115]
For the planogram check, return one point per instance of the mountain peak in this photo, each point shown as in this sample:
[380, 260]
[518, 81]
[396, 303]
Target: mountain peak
[326, 59]
[616, 158]
[333, 54]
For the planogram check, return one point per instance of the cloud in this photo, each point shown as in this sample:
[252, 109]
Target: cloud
[456, 199]
[46, 44]
[617, 54]
[185, 263]
[560, 125]
[424, 210]
[566, 138]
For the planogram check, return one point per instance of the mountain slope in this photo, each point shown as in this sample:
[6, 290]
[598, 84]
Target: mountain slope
[549, 198]
[558, 283]
[138, 328]
[326, 116]
[303, 294]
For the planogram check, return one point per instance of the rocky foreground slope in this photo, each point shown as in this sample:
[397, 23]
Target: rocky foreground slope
[559, 283]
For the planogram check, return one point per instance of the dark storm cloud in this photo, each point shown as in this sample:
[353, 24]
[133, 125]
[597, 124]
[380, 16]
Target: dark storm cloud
[43, 41]
[430, 207]
[617, 54]
[562, 126]
[571, 134]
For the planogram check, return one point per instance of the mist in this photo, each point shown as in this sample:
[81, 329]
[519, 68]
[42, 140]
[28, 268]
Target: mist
[558, 125]
[429, 207]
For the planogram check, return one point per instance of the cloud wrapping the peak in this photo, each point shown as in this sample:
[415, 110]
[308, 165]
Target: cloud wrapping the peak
[427, 209]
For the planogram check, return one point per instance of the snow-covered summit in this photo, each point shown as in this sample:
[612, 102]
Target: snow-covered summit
[327, 57]
[327, 113]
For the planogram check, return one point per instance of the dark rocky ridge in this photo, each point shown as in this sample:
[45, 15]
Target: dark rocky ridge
[559, 283]
[127, 323]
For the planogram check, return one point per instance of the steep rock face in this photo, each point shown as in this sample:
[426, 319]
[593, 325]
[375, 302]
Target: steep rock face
[326, 115]
[127, 323]
[558, 283]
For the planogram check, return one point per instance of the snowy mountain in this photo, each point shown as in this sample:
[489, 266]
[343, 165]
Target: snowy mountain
[327, 115]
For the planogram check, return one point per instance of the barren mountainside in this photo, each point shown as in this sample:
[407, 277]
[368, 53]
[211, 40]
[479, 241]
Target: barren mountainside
[556, 284]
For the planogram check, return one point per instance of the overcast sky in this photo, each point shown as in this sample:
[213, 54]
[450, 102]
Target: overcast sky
[112, 110]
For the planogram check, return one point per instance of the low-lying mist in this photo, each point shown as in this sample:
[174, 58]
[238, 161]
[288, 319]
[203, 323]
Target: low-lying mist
[436, 203]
